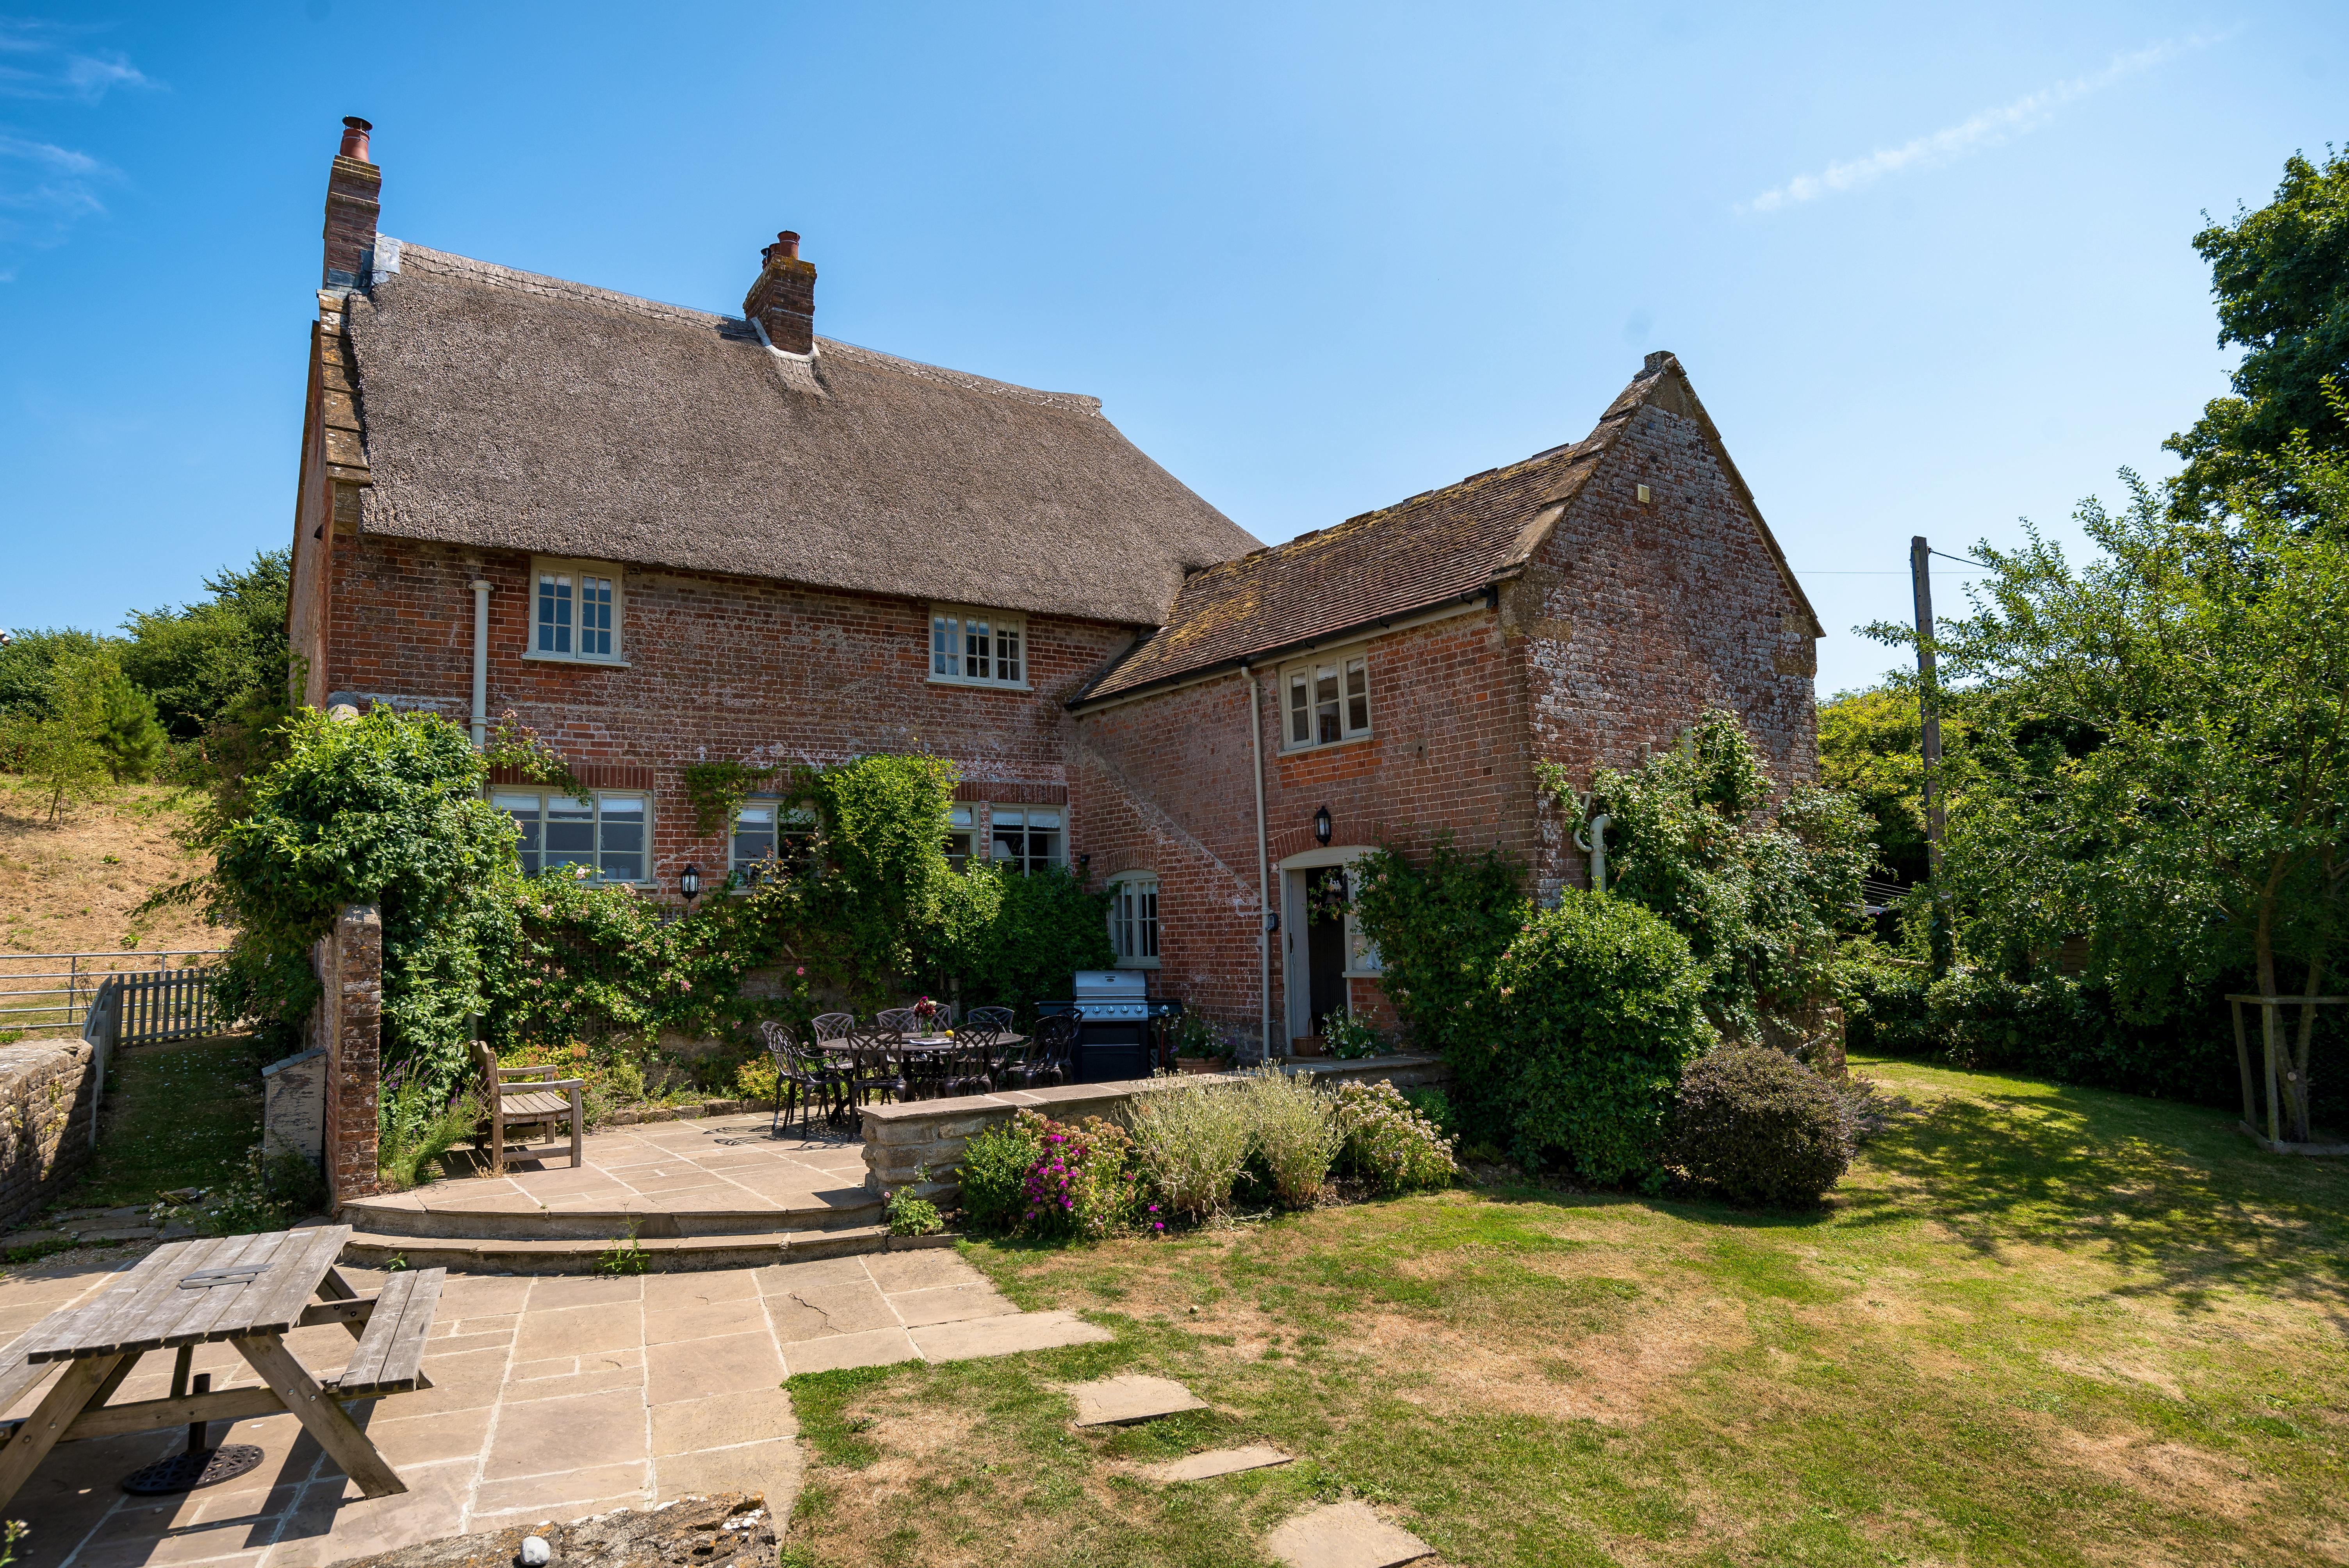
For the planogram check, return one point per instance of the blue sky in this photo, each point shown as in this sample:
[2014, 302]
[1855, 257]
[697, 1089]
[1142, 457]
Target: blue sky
[1928, 268]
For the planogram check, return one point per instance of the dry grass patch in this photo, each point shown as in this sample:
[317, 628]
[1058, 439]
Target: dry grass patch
[71, 888]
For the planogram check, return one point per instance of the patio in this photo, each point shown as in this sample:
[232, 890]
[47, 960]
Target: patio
[552, 1398]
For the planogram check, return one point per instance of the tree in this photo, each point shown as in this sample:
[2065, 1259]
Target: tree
[2281, 274]
[88, 723]
[201, 661]
[2195, 819]
[29, 664]
[1871, 750]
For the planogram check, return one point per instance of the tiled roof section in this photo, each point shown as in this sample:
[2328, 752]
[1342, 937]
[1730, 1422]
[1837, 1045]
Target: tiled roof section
[1436, 549]
[509, 410]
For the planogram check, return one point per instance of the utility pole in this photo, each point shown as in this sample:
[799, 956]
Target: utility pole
[1928, 705]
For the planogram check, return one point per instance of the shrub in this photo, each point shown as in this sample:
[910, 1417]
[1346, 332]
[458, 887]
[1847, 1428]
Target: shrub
[1190, 1144]
[995, 1166]
[1436, 1107]
[1291, 1124]
[910, 1215]
[1390, 1145]
[1079, 1184]
[1760, 1127]
[1440, 927]
[1597, 1007]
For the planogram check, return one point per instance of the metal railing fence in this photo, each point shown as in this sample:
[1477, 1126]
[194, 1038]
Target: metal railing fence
[45, 997]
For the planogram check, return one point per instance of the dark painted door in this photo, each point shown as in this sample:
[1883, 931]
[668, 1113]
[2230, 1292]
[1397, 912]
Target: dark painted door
[1325, 943]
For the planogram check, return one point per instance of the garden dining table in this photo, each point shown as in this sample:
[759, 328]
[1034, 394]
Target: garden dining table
[251, 1291]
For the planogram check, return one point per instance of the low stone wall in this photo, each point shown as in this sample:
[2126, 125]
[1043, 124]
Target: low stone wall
[45, 1090]
[899, 1139]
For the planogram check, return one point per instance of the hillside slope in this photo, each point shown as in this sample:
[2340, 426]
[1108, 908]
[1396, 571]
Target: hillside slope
[71, 888]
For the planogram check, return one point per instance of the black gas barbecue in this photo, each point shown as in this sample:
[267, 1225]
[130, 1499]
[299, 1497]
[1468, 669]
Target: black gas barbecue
[1119, 1025]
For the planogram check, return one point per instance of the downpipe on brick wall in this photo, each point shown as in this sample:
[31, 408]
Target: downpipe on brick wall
[1263, 866]
[482, 665]
[1595, 847]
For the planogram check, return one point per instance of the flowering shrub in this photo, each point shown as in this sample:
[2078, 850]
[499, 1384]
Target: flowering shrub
[1079, 1184]
[1293, 1130]
[1192, 1143]
[1389, 1146]
[994, 1175]
[1350, 1038]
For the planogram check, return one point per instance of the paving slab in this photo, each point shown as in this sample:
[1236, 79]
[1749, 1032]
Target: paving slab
[1215, 1462]
[1122, 1401]
[1344, 1535]
[1004, 1335]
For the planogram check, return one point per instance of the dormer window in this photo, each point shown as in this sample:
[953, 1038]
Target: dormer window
[970, 646]
[576, 611]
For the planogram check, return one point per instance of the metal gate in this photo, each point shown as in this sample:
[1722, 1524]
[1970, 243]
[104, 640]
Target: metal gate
[166, 997]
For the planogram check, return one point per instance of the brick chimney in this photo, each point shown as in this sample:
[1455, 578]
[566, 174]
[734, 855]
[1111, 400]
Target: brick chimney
[784, 299]
[352, 186]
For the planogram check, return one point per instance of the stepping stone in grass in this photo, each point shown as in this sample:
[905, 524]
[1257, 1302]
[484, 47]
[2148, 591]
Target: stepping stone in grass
[1216, 1463]
[1344, 1535]
[1122, 1401]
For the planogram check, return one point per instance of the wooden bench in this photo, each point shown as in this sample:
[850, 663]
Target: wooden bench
[535, 1099]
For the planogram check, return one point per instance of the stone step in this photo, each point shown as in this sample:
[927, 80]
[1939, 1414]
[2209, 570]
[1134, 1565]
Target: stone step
[846, 1208]
[664, 1254]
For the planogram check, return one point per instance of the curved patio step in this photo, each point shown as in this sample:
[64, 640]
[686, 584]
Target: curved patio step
[665, 1254]
[841, 1209]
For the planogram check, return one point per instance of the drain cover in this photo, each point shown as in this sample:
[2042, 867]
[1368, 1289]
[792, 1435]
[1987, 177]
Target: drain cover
[185, 1472]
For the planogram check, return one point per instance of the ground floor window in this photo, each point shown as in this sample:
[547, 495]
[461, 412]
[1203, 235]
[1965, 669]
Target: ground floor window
[768, 835]
[1134, 919]
[962, 831]
[1025, 837]
[608, 833]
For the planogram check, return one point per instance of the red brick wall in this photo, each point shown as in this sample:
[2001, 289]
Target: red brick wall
[717, 667]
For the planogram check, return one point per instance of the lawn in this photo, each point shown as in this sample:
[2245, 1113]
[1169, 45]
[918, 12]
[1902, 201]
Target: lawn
[2037, 1325]
[176, 1116]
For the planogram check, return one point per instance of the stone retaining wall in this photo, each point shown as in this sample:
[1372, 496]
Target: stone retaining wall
[901, 1139]
[46, 1091]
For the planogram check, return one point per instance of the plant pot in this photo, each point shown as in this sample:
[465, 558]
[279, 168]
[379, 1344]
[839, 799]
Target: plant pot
[1197, 1065]
[1308, 1045]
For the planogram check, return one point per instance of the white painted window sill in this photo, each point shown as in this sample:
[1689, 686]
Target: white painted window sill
[979, 686]
[1327, 745]
[577, 662]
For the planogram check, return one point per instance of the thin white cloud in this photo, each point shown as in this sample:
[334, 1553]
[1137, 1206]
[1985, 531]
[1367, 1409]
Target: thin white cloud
[40, 60]
[1988, 129]
[45, 191]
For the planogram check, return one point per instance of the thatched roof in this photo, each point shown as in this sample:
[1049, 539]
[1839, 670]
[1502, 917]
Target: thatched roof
[1437, 548]
[512, 411]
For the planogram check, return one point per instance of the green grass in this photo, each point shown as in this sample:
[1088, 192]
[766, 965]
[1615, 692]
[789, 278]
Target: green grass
[2037, 1325]
[176, 1116]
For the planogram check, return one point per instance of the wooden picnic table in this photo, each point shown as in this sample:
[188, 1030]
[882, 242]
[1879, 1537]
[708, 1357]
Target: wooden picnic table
[251, 1291]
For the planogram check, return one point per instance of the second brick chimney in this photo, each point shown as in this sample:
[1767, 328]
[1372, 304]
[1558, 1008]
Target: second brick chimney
[784, 299]
[352, 186]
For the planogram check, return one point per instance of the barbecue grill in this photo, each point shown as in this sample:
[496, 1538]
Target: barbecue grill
[1117, 1024]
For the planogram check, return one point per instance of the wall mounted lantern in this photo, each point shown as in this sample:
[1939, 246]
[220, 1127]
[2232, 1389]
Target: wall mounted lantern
[688, 882]
[1322, 826]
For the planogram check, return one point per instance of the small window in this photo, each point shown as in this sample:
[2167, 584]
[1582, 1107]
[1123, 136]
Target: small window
[609, 834]
[978, 647]
[1026, 838]
[1328, 701]
[768, 836]
[962, 830]
[1134, 919]
[576, 611]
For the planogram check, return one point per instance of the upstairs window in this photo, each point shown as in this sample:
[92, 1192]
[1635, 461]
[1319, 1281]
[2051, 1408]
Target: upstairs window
[978, 647]
[1026, 838]
[768, 836]
[607, 836]
[574, 610]
[1134, 919]
[1328, 700]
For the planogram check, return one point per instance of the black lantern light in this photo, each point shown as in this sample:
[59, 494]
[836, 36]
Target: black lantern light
[1322, 826]
[688, 882]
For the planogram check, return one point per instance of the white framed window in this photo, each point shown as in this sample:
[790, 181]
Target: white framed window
[768, 835]
[576, 608]
[1361, 952]
[962, 834]
[1134, 919]
[610, 835]
[978, 647]
[1025, 838]
[1325, 700]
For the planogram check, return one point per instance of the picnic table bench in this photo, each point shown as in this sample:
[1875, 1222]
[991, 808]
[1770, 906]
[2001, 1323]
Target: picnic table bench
[251, 1291]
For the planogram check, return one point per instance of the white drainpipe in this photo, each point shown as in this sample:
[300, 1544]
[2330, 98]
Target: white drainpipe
[1597, 845]
[480, 665]
[1263, 863]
